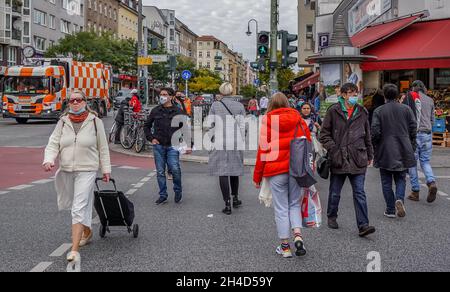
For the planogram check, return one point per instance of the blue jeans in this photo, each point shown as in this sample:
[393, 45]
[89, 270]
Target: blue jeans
[171, 157]
[400, 182]
[359, 197]
[423, 156]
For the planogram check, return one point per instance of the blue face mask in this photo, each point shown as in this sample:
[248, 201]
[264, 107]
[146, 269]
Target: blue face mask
[78, 112]
[353, 100]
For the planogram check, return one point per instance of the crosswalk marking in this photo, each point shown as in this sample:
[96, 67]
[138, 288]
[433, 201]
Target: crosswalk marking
[131, 192]
[41, 267]
[61, 250]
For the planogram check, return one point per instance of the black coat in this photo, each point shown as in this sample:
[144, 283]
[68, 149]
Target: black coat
[159, 124]
[355, 151]
[394, 132]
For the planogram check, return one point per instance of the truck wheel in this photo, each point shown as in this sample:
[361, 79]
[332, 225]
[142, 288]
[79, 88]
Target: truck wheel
[21, 121]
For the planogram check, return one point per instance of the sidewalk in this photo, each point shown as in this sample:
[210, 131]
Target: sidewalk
[196, 156]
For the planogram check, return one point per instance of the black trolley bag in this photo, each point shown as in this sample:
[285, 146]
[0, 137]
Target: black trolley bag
[114, 210]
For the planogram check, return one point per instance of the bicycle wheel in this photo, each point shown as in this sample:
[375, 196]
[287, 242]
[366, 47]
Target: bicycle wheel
[112, 133]
[139, 146]
[126, 137]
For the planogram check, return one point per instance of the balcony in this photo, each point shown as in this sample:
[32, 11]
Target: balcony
[218, 58]
[16, 35]
[17, 6]
[218, 69]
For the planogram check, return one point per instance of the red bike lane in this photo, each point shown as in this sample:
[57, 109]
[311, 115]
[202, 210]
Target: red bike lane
[21, 166]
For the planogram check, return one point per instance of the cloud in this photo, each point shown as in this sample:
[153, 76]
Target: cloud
[228, 19]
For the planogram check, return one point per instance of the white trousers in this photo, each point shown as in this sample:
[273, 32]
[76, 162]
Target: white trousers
[76, 193]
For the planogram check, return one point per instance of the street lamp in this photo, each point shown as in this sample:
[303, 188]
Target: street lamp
[249, 32]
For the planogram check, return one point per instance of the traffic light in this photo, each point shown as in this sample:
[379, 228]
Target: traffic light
[263, 44]
[142, 87]
[287, 49]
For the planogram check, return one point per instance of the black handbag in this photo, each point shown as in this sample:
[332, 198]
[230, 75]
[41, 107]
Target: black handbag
[323, 167]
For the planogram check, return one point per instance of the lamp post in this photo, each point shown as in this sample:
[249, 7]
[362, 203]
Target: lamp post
[249, 32]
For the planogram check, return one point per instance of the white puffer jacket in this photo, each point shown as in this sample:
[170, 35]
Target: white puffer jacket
[87, 151]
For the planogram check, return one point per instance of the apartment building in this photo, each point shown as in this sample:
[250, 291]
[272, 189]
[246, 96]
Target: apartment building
[102, 16]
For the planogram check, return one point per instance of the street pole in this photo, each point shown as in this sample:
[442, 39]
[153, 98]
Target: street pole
[273, 46]
[187, 89]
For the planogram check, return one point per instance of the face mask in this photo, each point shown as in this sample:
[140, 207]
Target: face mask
[163, 99]
[78, 112]
[353, 100]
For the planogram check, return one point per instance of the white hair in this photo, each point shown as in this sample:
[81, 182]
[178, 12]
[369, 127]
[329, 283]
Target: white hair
[226, 89]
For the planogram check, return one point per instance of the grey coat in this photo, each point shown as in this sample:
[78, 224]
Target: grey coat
[227, 158]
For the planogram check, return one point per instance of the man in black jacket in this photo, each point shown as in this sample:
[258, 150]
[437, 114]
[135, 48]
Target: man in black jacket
[160, 132]
[345, 135]
[394, 133]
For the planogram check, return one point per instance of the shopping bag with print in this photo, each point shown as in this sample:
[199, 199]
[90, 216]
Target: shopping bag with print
[311, 209]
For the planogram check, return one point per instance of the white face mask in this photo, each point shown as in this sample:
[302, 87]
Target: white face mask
[163, 99]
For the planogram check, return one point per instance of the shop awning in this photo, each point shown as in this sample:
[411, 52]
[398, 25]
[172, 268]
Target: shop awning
[313, 79]
[378, 32]
[421, 45]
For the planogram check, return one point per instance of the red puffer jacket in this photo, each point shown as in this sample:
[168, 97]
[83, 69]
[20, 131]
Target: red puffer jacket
[275, 142]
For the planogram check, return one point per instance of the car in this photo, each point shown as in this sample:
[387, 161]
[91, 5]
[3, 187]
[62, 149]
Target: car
[121, 96]
[208, 98]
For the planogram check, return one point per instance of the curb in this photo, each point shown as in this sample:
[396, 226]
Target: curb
[185, 158]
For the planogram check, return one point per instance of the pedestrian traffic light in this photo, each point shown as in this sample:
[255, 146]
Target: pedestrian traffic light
[263, 44]
[287, 49]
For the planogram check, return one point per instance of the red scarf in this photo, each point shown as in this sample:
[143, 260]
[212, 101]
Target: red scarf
[79, 118]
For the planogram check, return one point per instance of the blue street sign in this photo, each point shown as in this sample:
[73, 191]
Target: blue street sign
[186, 75]
[257, 82]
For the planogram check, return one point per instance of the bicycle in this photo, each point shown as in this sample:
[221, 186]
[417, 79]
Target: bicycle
[132, 133]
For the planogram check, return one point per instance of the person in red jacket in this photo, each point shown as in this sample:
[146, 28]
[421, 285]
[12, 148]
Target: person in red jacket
[135, 103]
[278, 130]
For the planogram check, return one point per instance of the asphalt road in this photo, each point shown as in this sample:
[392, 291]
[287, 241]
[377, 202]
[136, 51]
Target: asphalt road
[196, 236]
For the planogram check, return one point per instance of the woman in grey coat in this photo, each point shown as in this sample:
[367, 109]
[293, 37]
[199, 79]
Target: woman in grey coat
[226, 158]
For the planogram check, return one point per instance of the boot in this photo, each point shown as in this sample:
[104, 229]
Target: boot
[432, 192]
[236, 202]
[227, 209]
[414, 196]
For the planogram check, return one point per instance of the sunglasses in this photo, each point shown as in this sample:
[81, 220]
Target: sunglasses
[77, 100]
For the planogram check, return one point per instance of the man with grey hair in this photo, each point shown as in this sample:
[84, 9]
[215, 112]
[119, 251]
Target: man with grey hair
[425, 122]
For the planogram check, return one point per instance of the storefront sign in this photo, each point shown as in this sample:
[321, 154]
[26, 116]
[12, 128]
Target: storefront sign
[443, 80]
[364, 12]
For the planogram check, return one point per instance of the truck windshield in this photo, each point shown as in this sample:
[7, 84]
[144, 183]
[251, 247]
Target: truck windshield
[26, 85]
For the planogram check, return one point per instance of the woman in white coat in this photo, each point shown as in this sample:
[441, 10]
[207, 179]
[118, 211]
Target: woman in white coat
[79, 140]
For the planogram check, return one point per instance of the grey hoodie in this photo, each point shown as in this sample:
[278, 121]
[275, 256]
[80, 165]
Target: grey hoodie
[427, 116]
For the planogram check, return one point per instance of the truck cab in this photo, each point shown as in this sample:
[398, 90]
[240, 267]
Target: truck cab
[33, 92]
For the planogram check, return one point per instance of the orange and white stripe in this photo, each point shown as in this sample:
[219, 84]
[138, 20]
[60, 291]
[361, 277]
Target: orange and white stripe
[47, 71]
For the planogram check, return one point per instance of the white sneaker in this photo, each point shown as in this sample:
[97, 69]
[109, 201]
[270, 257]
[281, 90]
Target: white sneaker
[73, 256]
[285, 253]
[390, 216]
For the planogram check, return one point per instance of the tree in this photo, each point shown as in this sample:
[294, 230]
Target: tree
[248, 91]
[89, 47]
[284, 75]
[205, 81]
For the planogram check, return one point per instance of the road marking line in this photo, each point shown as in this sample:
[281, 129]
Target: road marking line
[61, 250]
[129, 167]
[41, 267]
[152, 174]
[442, 194]
[131, 192]
[21, 187]
[145, 179]
[42, 181]
[139, 185]
[3, 192]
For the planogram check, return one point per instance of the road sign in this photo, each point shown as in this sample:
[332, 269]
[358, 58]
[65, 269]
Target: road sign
[186, 75]
[145, 61]
[159, 58]
[257, 82]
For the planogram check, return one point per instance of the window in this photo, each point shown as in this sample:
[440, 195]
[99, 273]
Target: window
[106, 11]
[208, 54]
[65, 26]
[26, 32]
[110, 13]
[200, 54]
[200, 65]
[8, 26]
[208, 65]
[26, 7]
[100, 8]
[40, 17]
[51, 43]
[12, 56]
[95, 5]
[200, 44]
[39, 43]
[52, 21]
[1, 53]
[172, 35]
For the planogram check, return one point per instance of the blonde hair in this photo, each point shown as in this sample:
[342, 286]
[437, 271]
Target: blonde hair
[279, 100]
[83, 95]
[226, 89]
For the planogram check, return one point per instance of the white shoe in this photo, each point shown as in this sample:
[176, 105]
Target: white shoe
[285, 253]
[73, 256]
[85, 241]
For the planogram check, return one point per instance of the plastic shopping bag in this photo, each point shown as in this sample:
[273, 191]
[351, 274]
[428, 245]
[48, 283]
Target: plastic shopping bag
[311, 209]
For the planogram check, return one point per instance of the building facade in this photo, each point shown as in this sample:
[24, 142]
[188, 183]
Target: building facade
[212, 54]
[173, 33]
[128, 18]
[306, 24]
[102, 16]
[53, 20]
[188, 41]
[157, 27]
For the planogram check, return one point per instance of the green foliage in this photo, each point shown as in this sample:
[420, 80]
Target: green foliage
[284, 75]
[205, 81]
[248, 91]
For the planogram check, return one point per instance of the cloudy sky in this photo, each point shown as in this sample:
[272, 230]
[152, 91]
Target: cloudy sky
[228, 19]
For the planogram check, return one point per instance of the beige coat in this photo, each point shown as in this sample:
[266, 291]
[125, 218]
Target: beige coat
[86, 152]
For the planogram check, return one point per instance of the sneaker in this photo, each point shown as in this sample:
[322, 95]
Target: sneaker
[161, 201]
[400, 209]
[432, 192]
[178, 198]
[414, 196]
[332, 223]
[365, 231]
[300, 246]
[285, 253]
[390, 215]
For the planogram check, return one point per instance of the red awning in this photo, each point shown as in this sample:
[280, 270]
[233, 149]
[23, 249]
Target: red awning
[376, 33]
[422, 45]
[313, 79]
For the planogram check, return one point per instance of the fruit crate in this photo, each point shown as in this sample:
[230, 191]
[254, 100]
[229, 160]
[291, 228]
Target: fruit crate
[441, 139]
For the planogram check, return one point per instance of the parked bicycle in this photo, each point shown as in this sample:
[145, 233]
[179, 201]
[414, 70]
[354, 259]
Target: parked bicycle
[132, 133]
